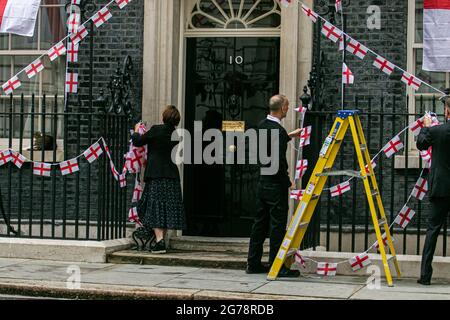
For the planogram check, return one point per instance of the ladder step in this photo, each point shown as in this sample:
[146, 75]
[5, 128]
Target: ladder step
[303, 225]
[381, 222]
[375, 193]
[349, 173]
[363, 147]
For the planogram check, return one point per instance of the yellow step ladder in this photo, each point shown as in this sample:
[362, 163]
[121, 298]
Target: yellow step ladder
[305, 209]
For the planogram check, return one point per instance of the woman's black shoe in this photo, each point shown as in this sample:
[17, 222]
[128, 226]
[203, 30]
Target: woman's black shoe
[424, 282]
[257, 270]
[158, 247]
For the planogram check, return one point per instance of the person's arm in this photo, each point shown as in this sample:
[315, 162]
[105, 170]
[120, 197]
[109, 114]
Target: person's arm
[425, 139]
[140, 141]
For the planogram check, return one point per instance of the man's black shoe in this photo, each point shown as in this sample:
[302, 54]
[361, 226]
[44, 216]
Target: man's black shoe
[257, 269]
[424, 282]
[286, 273]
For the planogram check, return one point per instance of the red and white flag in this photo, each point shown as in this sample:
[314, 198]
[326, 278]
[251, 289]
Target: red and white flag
[341, 43]
[134, 217]
[384, 65]
[338, 5]
[347, 75]
[331, 32]
[137, 192]
[301, 109]
[93, 153]
[11, 85]
[101, 16]
[357, 49]
[299, 260]
[122, 3]
[76, 2]
[69, 167]
[79, 35]
[326, 269]
[135, 160]
[360, 261]
[393, 146]
[297, 194]
[71, 82]
[300, 169]
[340, 189]
[72, 52]
[42, 169]
[311, 14]
[411, 81]
[17, 159]
[420, 189]
[305, 136]
[404, 217]
[436, 40]
[427, 156]
[56, 51]
[286, 3]
[74, 22]
[5, 157]
[385, 242]
[123, 180]
[416, 126]
[114, 171]
[374, 165]
[19, 16]
[34, 68]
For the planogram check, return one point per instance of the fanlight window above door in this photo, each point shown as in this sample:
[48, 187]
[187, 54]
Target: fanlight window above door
[235, 14]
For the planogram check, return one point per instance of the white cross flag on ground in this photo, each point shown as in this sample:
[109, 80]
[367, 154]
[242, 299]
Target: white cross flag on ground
[56, 51]
[411, 81]
[71, 82]
[427, 156]
[101, 16]
[42, 169]
[416, 126]
[122, 3]
[393, 146]
[5, 157]
[34, 68]
[11, 85]
[305, 136]
[340, 189]
[384, 65]
[357, 49]
[404, 217]
[300, 169]
[17, 159]
[311, 14]
[79, 35]
[69, 167]
[331, 32]
[93, 153]
[72, 52]
[347, 75]
[326, 269]
[74, 22]
[420, 189]
[297, 194]
[360, 261]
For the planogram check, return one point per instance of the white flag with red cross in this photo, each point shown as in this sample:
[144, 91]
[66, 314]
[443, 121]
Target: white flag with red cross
[137, 192]
[347, 75]
[310, 13]
[69, 167]
[74, 22]
[56, 51]
[416, 126]
[426, 156]
[420, 189]
[76, 2]
[341, 43]
[357, 49]
[93, 152]
[71, 82]
[122, 3]
[297, 194]
[301, 168]
[331, 32]
[114, 171]
[42, 169]
[411, 81]
[340, 189]
[72, 52]
[374, 165]
[17, 159]
[79, 35]
[34, 68]
[393, 146]
[101, 16]
[305, 136]
[404, 217]
[11, 85]
[301, 109]
[5, 157]
[384, 239]
[326, 269]
[338, 5]
[299, 260]
[360, 261]
[134, 217]
[384, 65]
[134, 160]
[123, 180]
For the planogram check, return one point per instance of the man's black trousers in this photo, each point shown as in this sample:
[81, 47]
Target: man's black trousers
[271, 218]
[440, 208]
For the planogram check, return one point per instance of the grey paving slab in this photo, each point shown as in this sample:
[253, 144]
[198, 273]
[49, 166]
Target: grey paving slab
[129, 279]
[309, 289]
[35, 272]
[10, 261]
[151, 269]
[225, 275]
[217, 285]
[82, 265]
[368, 294]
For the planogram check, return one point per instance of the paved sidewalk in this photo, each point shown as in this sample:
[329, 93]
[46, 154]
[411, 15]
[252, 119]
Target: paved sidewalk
[127, 281]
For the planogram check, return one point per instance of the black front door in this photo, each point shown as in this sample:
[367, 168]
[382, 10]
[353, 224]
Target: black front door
[227, 79]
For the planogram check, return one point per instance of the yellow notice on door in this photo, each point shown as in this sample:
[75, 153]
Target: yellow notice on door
[235, 126]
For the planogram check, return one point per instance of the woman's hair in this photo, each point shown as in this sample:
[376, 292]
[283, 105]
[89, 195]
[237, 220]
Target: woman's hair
[171, 115]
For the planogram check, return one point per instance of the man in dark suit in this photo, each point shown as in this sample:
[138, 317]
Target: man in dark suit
[437, 137]
[272, 194]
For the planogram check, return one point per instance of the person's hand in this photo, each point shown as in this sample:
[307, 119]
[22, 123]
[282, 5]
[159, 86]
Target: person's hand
[295, 133]
[293, 186]
[136, 127]
[427, 121]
